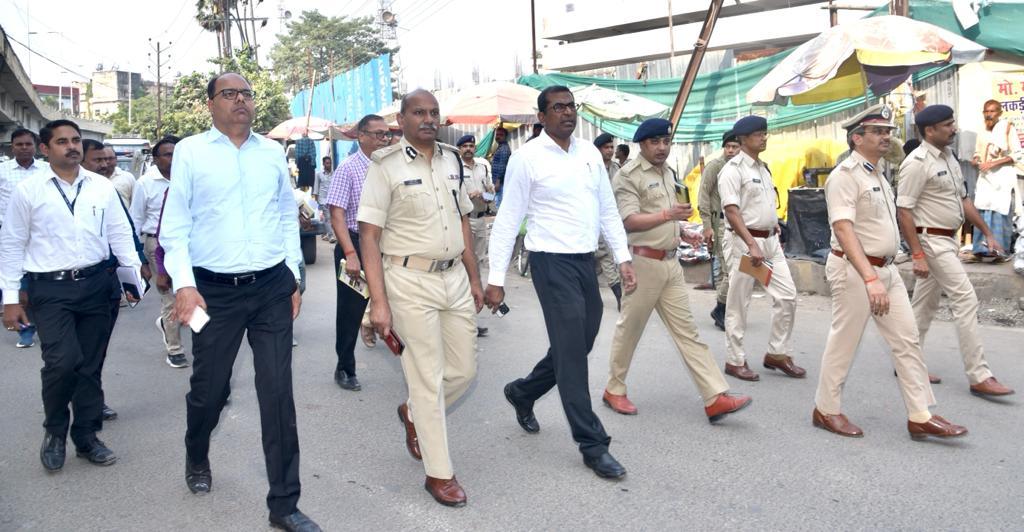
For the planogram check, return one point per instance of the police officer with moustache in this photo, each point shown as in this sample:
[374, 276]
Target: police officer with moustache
[933, 204]
[709, 205]
[423, 278]
[749, 201]
[866, 284]
[477, 173]
[646, 191]
[605, 143]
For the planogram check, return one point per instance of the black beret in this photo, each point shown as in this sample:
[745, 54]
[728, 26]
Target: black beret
[933, 114]
[652, 127]
[749, 124]
[464, 139]
[602, 139]
[728, 137]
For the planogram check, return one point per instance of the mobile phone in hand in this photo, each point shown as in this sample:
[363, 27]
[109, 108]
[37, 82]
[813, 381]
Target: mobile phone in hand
[394, 343]
[198, 320]
[502, 310]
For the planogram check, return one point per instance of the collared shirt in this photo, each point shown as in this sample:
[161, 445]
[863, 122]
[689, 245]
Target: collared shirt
[857, 191]
[566, 198]
[12, 173]
[41, 234]
[932, 186]
[124, 183]
[748, 184]
[347, 187]
[709, 201]
[640, 187]
[321, 184]
[994, 188]
[147, 200]
[413, 200]
[229, 209]
[612, 167]
[499, 161]
[478, 179]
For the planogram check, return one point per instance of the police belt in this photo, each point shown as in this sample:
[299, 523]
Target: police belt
[652, 253]
[68, 275]
[937, 231]
[881, 262]
[425, 265]
[757, 233]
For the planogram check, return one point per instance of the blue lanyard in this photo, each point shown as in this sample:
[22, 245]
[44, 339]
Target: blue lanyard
[78, 192]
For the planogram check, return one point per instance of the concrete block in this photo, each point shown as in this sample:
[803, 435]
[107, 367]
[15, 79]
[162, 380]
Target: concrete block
[809, 277]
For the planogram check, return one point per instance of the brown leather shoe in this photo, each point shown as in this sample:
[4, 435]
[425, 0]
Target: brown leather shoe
[619, 403]
[784, 363]
[741, 372]
[837, 424]
[411, 442]
[368, 335]
[726, 404]
[446, 491]
[990, 387]
[936, 426]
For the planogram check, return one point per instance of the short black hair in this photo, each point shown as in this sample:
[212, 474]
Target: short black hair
[169, 139]
[20, 132]
[542, 98]
[365, 121]
[213, 83]
[920, 129]
[325, 158]
[624, 148]
[89, 144]
[46, 134]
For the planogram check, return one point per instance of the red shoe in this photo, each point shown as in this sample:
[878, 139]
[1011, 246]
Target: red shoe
[619, 403]
[726, 404]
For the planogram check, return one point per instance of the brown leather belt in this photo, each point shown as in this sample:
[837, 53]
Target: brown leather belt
[651, 253]
[881, 262]
[937, 231]
[757, 233]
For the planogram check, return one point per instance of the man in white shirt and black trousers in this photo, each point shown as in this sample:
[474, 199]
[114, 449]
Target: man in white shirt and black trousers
[60, 228]
[230, 234]
[560, 185]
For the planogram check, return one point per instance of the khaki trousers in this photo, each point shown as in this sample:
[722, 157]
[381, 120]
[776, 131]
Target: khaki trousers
[478, 228]
[172, 329]
[606, 262]
[661, 287]
[433, 313]
[850, 313]
[741, 286]
[947, 275]
[722, 281]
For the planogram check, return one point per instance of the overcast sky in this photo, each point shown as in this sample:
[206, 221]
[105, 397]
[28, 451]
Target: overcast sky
[433, 34]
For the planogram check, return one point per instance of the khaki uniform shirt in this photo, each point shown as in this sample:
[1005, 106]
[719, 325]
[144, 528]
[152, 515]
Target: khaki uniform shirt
[641, 188]
[932, 186]
[478, 179]
[857, 191]
[413, 200]
[613, 168]
[748, 184]
[709, 202]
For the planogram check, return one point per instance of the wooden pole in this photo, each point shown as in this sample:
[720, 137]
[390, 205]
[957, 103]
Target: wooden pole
[533, 33]
[671, 44]
[694, 65]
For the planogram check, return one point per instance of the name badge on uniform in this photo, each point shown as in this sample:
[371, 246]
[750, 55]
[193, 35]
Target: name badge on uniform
[942, 173]
[454, 177]
[652, 185]
[412, 182]
[757, 180]
[876, 189]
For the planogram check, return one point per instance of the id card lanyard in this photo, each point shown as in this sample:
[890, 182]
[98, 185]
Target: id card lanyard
[70, 204]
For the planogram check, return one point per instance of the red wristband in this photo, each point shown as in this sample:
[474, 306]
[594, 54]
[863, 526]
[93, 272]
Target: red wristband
[871, 279]
[919, 255]
[350, 252]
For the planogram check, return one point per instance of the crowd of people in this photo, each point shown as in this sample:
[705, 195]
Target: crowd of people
[409, 217]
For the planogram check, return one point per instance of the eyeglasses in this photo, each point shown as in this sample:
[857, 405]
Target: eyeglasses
[560, 108]
[379, 135]
[232, 94]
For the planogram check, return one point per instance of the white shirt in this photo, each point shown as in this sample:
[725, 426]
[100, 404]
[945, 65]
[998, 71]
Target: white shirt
[42, 235]
[12, 173]
[993, 190]
[566, 198]
[124, 183]
[147, 199]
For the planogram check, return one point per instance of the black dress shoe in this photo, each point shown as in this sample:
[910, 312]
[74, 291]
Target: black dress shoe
[108, 413]
[718, 315]
[53, 451]
[347, 382]
[605, 466]
[481, 332]
[524, 414]
[96, 452]
[198, 478]
[296, 522]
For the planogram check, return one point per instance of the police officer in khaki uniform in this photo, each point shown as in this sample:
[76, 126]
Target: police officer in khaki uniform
[933, 204]
[477, 172]
[605, 143]
[709, 205]
[749, 202]
[646, 191]
[423, 279]
[865, 283]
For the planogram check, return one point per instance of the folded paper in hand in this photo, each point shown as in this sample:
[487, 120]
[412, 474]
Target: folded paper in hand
[132, 282]
[355, 283]
[762, 273]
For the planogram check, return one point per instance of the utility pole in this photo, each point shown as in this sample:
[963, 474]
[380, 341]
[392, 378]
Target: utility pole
[671, 43]
[533, 33]
[696, 57]
[160, 62]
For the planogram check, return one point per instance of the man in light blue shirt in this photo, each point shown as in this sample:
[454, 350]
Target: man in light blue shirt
[230, 234]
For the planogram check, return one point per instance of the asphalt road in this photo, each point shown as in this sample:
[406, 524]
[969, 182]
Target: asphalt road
[763, 468]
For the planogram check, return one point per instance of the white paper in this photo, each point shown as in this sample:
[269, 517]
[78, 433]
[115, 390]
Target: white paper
[132, 282]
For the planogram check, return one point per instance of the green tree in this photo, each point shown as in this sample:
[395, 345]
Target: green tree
[143, 118]
[323, 40]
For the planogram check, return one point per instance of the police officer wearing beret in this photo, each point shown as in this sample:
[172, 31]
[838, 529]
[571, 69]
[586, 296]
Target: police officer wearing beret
[709, 205]
[933, 204]
[477, 173]
[866, 284]
[423, 279]
[749, 201]
[646, 191]
[605, 143]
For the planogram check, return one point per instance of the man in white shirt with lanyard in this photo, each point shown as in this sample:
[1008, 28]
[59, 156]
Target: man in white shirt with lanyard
[59, 230]
[560, 185]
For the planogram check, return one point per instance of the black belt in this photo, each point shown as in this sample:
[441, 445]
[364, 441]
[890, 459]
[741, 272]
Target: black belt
[232, 279]
[149, 235]
[570, 256]
[68, 275]
[478, 215]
